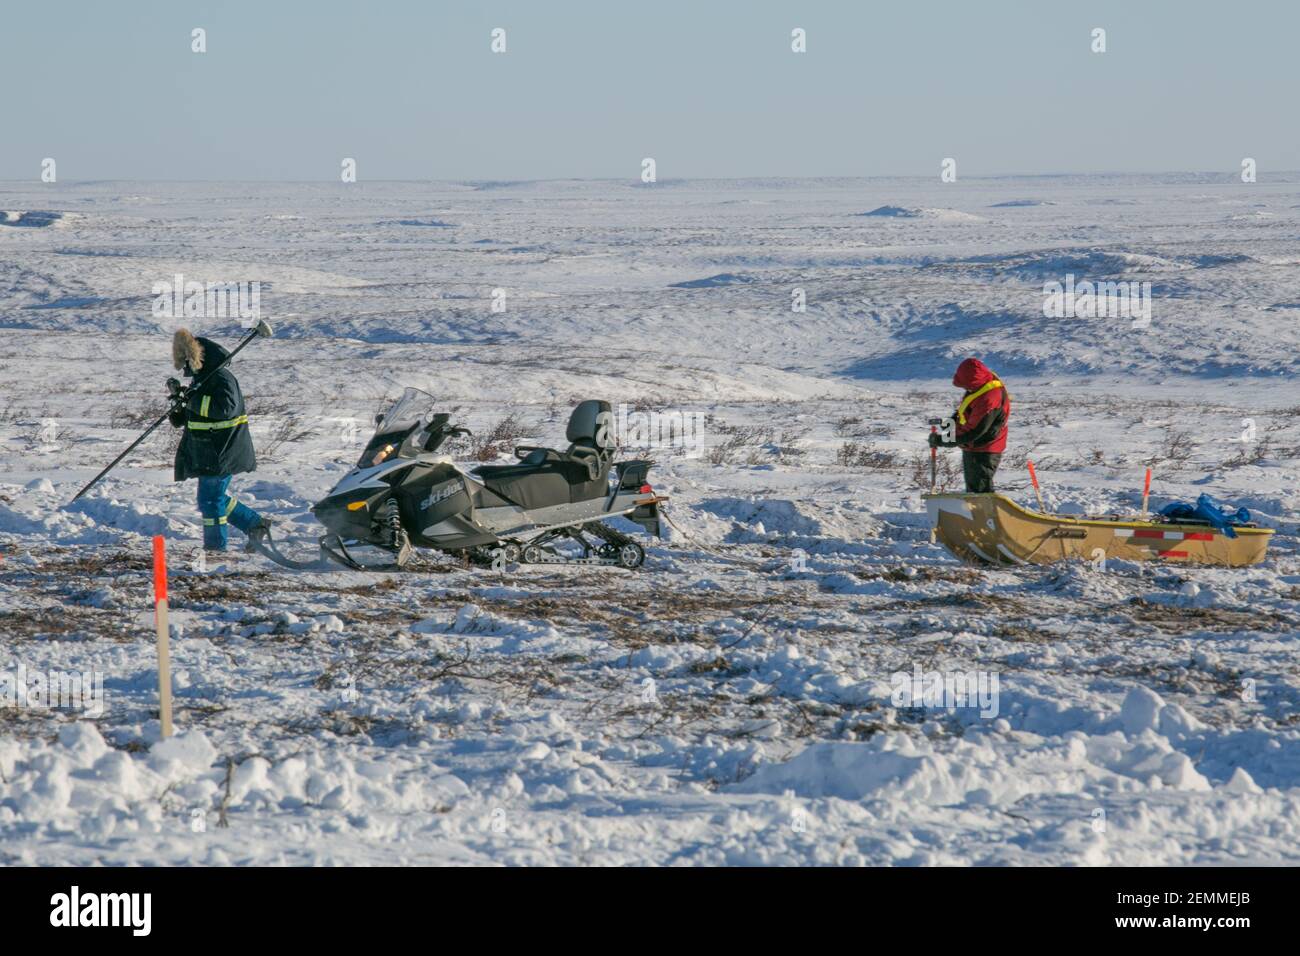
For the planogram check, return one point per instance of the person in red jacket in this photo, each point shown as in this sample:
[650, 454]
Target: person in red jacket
[981, 424]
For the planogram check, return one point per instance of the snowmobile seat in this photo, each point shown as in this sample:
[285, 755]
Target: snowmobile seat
[545, 476]
[528, 486]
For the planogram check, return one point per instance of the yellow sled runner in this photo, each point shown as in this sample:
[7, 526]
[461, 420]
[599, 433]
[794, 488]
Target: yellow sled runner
[991, 529]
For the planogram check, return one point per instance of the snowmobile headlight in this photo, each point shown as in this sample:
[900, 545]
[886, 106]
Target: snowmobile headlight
[356, 505]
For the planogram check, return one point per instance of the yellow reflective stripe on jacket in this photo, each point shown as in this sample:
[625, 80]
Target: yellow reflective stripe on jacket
[965, 402]
[228, 423]
[203, 405]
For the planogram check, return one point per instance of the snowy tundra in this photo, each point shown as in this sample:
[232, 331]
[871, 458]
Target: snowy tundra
[775, 686]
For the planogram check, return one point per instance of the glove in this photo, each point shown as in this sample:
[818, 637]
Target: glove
[936, 440]
[176, 415]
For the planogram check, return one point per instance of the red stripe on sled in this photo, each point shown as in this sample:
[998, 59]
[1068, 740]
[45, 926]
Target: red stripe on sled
[1198, 536]
[1147, 533]
[1173, 554]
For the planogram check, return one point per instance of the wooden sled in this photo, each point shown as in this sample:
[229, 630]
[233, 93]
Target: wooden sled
[991, 529]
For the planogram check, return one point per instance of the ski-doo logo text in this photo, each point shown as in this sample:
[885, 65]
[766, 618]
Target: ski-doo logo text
[949, 691]
[53, 690]
[661, 430]
[212, 300]
[441, 493]
[1097, 300]
[103, 909]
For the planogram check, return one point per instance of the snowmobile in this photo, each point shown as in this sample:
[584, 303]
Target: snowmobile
[404, 493]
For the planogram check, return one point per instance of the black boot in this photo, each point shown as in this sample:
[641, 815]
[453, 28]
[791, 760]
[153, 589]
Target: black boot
[258, 533]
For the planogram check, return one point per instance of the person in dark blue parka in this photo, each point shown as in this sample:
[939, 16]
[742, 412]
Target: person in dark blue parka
[217, 443]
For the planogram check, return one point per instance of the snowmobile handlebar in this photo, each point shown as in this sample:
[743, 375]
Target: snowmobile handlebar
[440, 432]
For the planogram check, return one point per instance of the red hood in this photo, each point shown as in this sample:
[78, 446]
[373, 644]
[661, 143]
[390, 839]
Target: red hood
[971, 374]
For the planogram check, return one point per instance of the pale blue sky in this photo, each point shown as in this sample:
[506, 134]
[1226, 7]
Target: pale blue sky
[709, 88]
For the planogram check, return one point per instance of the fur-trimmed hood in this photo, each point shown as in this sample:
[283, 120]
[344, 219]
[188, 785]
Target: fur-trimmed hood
[186, 351]
[194, 354]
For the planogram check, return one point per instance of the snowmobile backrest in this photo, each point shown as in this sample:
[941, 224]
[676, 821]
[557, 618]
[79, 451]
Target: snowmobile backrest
[592, 423]
[591, 430]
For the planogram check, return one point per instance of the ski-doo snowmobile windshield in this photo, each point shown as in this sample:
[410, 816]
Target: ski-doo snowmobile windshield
[400, 433]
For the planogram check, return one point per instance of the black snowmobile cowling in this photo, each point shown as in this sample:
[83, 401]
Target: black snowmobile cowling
[403, 493]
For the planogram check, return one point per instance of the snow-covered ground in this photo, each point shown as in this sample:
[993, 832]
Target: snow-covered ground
[735, 700]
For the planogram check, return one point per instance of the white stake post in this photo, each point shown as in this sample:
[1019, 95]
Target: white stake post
[164, 643]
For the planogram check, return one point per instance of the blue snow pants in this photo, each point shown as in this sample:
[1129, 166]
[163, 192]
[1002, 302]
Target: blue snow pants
[219, 510]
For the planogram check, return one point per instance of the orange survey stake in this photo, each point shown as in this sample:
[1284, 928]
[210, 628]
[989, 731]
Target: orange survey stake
[159, 569]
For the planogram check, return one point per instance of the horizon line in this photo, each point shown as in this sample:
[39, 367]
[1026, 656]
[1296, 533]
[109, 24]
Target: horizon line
[632, 180]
